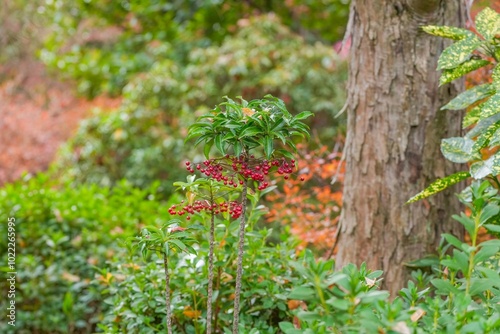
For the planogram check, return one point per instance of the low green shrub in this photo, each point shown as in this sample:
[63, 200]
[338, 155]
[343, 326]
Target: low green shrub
[137, 298]
[63, 233]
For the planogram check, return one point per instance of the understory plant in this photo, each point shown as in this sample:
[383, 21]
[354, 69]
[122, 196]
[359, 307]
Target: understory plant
[478, 147]
[254, 142]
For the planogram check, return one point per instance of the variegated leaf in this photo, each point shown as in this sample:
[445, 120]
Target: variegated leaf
[488, 23]
[495, 75]
[482, 125]
[458, 52]
[457, 149]
[469, 97]
[490, 107]
[448, 32]
[481, 169]
[484, 138]
[440, 185]
[471, 117]
[495, 139]
[495, 168]
[448, 75]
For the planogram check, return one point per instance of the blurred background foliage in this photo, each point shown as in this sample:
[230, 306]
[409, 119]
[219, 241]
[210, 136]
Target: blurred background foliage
[262, 56]
[167, 62]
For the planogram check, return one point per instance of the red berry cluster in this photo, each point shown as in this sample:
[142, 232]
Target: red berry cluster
[234, 170]
[234, 208]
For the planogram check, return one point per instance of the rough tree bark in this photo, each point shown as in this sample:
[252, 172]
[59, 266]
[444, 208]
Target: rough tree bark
[393, 136]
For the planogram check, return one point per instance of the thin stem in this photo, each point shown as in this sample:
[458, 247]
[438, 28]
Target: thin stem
[167, 293]
[219, 272]
[239, 272]
[210, 266]
[472, 254]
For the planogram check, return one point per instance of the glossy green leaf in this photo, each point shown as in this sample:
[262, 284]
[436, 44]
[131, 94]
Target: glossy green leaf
[470, 96]
[458, 52]
[268, 146]
[207, 148]
[457, 149]
[447, 32]
[440, 185]
[303, 115]
[488, 23]
[448, 75]
[219, 143]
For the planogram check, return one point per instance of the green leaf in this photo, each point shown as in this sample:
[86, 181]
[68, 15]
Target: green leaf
[482, 125]
[444, 286]
[219, 143]
[268, 146]
[453, 240]
[207, 147]
[495, 166]
[484, 138]
[249, 132]
[458, 52]
[309, 316]
[479, 285]
[302, 293]
[447, 32]
[490, 107]
[487, 251]
[179, 244]
[495, 139]
[439, 185]
[488, 23]
[448, 75]
[303, 115]
[457, 149]
[488, 211]
[471, 117]
[492, 227]
[467, 222]
[469, 97]
[237, 149]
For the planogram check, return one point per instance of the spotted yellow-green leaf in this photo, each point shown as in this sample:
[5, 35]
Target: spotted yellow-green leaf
[439, 185]
[469, 97]
[484, 138]
[457, 53]
[457, 149]
[488, 23]
[482, 125]
[448, 32]
[448, 75]
[490, 107]
[481, 169]
[495, 75]
[495, 139]
[471, 117]
[495, 168]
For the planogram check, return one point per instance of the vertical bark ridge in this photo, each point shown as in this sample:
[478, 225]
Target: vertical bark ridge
[394, 130]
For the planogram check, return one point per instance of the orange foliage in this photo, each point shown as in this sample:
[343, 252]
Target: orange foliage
[311, 207]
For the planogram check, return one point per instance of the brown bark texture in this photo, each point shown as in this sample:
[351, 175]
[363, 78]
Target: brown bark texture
[394, 131]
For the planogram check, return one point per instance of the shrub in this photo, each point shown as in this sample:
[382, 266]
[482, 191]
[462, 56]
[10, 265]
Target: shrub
[63, 233]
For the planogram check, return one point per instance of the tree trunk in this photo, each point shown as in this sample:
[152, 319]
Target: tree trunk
[393, 136]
